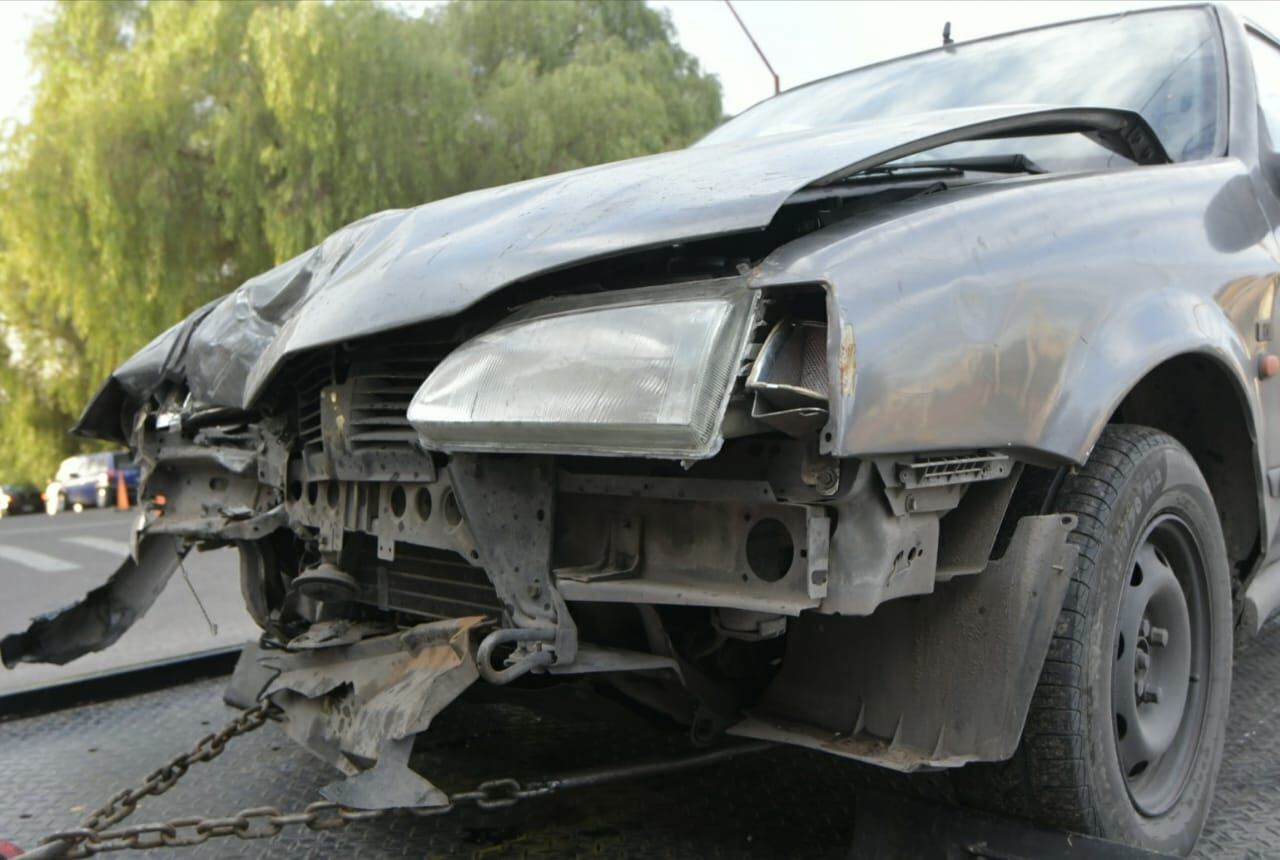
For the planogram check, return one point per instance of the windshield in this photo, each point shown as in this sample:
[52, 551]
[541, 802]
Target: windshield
[1166, 65]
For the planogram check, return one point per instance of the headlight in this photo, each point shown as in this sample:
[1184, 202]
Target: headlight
[645, 372]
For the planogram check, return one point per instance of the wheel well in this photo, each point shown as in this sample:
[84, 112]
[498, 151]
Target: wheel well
[1196, 401]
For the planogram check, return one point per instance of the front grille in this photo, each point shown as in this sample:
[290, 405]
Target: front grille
[376, 383]
[309, 385]
[381, 391]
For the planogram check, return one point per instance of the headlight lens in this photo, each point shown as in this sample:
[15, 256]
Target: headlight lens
[644, 372]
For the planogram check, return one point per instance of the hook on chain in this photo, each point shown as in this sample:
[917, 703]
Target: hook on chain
[523, 663]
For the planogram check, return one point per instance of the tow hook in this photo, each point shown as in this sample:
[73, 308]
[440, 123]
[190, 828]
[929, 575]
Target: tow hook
[523, 661]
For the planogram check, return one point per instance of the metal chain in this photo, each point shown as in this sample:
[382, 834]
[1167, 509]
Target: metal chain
[259, 822]
[96, 835]
[165, 777]
[81, 841]
[262, 822]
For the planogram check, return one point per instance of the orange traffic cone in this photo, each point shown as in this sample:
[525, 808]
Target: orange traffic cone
[122, 494]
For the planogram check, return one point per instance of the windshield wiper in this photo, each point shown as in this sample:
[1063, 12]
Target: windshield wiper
[1014, 162]
[1123, 132]
[1011, 163]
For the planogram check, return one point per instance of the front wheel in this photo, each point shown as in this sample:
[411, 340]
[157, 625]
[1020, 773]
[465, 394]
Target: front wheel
[1125, 732]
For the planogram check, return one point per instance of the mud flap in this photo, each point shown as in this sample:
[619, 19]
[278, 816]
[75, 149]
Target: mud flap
[932, 681]
[104, 614]
[359, 706]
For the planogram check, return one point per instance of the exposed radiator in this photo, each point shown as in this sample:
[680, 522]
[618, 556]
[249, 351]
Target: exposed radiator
[428, 583]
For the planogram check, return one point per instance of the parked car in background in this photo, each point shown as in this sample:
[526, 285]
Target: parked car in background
[21, 498]
[90, 480]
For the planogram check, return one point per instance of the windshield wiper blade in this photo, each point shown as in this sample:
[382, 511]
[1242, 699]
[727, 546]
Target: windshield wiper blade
[1123, 132]
[1014, 162]
[908, 171]
[1011, 163]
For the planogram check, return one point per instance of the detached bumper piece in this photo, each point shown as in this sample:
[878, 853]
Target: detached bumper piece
[104, 614]
[358, 707]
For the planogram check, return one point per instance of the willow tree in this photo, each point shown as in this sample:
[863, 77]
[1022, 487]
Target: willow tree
[174, 149]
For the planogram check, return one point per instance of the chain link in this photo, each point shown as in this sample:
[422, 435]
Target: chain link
[163, 778]
[98, 836]
[263, 822]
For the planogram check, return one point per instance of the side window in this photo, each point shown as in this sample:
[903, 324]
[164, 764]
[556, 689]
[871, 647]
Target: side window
[1266, 71]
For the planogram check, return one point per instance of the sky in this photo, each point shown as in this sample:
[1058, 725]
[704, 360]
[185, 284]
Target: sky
[803, 39]
[16, 20]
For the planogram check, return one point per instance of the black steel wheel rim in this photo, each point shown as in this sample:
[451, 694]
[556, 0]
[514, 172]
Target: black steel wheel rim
[1159, 675]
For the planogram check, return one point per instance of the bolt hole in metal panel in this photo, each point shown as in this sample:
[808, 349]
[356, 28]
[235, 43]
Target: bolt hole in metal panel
[612, 548]
[452, 513]
[770, 549]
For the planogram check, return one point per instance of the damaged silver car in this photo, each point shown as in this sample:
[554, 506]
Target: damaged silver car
[924, 415]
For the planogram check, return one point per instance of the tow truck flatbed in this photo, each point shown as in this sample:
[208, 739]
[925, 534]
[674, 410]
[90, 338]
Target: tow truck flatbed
[57, 765]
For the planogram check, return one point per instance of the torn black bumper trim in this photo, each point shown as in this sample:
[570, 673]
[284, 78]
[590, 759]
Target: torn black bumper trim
[104, 614]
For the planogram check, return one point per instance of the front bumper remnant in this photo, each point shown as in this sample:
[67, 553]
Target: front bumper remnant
[104, 614]
[358, 707]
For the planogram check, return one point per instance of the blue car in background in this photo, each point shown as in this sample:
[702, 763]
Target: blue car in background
[90, 480]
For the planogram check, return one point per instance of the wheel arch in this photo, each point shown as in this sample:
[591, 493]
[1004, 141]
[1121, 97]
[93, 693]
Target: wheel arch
[1199, 400]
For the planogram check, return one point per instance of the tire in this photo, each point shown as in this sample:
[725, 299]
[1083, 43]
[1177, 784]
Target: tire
[102, 498]
[1106, 750]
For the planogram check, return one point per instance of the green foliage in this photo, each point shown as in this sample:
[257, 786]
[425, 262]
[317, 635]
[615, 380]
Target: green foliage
[175, 149]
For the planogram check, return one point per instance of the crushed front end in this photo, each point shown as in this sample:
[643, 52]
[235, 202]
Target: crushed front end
[634, 487]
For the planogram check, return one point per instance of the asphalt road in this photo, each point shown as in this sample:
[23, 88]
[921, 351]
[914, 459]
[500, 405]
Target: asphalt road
[49, 562]
[782, 804]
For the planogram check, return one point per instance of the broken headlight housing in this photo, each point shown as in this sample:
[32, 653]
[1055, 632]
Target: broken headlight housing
[643, 372]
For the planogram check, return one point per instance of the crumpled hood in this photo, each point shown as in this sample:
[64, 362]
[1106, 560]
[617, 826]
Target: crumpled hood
[401, 267]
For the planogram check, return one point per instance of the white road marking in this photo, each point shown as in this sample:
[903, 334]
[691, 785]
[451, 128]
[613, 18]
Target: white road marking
[35, 560]
[114, 547]
[18, 526]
